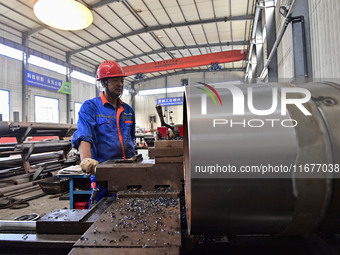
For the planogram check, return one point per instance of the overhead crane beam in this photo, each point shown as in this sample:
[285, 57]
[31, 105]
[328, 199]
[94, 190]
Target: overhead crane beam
[168, 49]
[186, 62]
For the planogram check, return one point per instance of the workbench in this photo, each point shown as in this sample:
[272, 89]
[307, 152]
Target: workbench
[75, 192]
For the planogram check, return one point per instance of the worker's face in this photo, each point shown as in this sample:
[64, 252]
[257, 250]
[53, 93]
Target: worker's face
[115, 86]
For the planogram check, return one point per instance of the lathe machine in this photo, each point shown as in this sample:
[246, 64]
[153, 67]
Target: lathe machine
[160, 203]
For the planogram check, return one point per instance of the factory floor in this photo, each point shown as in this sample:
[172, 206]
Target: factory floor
[41, 206]
[311, 244]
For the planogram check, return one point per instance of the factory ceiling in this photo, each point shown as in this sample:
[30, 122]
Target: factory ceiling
[135, 32]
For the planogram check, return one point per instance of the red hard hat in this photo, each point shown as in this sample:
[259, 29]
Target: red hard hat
[109, 68]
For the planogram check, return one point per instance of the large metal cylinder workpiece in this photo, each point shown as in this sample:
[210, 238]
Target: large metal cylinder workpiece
[263, 158]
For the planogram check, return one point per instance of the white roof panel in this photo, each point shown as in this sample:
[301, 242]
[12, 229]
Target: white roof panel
[116, 30]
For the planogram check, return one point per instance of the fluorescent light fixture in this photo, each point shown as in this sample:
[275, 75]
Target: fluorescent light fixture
[148, 92]
[63, 14]
[83, 77]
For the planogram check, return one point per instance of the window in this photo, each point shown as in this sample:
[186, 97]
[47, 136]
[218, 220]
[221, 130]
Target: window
[46, 64]
[76, 111]
[10, 52]
[46, 109]
[83, 77]
[4, 104]
[40, 62]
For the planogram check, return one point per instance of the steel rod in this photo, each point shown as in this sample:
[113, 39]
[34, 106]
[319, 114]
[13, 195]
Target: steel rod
[17, 225]
[278, 39]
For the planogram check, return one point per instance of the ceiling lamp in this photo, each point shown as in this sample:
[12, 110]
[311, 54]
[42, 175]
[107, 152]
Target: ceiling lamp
[63, 14]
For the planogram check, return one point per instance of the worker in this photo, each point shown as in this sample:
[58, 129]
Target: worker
[106, 125]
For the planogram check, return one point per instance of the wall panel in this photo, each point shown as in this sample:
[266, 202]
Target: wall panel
[325, 37]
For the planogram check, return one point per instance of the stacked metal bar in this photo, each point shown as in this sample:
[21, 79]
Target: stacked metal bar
[25, 160]
[23, 129]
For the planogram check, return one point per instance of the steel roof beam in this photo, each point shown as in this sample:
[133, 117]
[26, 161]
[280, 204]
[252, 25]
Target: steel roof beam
[153, 34]
[127, 5]
[185, 20]
[101, 3]
[180, 36]
[155, 28]
[37, 29]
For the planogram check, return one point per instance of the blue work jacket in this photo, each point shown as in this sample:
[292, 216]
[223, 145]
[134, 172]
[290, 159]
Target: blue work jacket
[110, 131]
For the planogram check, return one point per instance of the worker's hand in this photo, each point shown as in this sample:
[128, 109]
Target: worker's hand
[88, 165]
